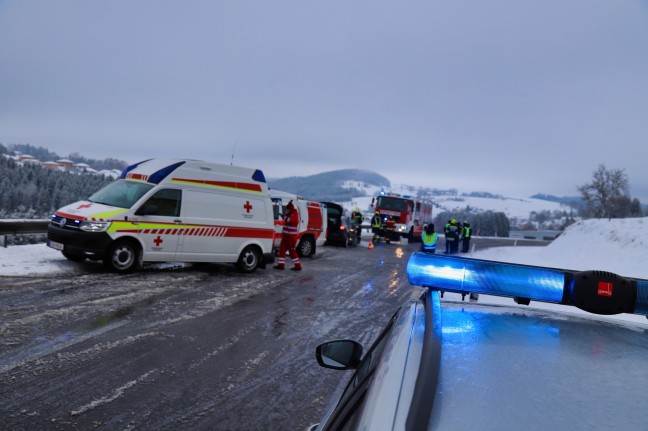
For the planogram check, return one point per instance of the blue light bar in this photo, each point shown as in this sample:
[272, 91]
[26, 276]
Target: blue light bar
[480, 276]
[594, 291]
[642, 297]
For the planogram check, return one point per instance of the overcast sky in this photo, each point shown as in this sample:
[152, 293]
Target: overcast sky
[513, 97]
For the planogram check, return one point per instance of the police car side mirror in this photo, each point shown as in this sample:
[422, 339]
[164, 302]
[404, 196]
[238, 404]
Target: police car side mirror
[339, 354]
[148, 210]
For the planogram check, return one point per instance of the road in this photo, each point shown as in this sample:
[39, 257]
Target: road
[196, 347]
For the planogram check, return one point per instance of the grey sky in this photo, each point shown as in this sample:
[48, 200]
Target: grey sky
[509, 96]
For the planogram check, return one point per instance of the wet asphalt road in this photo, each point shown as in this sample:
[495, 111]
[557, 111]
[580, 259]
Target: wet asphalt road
[197, 347]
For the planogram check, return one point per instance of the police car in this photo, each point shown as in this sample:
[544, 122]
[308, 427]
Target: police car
[443, 364]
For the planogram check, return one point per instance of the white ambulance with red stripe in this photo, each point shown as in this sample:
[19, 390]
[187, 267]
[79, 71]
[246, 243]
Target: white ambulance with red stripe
[163, 210]
[312, 221]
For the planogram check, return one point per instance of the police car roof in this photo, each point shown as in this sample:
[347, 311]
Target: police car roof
[511, 368]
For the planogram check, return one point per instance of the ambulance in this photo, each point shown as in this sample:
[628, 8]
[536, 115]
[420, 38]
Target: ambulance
[162, 210]
[312, 221]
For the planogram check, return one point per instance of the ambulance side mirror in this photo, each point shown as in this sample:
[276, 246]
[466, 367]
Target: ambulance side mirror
[147, 210]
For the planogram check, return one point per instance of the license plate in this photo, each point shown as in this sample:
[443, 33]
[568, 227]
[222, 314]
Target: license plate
[55, 245]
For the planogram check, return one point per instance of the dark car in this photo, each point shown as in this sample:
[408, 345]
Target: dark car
[341, 230]
[454, 365]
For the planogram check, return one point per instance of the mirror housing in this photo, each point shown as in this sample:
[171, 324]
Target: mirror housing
[339, 354]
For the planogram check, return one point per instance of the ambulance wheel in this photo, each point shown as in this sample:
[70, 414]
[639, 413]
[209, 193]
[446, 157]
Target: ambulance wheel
[306, 247]
[249, 259]
[123, 256]
[74, 257]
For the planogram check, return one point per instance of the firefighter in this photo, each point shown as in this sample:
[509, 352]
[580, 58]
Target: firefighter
[429, 239]
[389, 229]
[466, 233]
[452, 237]
[376, 226]
[289, 239]
[357, 218]
[446, 233]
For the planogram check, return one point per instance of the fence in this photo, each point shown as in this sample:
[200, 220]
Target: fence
[20, 227]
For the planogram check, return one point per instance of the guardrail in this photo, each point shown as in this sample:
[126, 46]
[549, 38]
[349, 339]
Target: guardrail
[22, 226]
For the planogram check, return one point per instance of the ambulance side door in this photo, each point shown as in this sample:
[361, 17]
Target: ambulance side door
[159, 224]
[278, 212]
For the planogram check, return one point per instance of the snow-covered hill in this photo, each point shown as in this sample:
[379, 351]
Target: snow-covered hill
[516, 209]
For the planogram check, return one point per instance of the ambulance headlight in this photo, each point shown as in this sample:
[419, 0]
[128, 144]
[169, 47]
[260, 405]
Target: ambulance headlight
[94, 226]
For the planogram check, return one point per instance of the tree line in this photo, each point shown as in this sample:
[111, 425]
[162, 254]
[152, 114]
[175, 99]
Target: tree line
[33, 192]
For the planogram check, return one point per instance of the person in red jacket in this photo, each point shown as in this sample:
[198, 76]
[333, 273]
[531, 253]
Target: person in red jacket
[289, 238]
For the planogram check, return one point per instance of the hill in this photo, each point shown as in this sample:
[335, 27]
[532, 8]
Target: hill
[355, 188]
[334, 186]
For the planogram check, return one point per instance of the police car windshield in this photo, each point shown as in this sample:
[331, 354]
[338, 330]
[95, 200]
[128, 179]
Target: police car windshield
[121, 193]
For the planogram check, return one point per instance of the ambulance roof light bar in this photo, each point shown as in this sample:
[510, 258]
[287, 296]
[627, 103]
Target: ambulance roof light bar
[597, 292]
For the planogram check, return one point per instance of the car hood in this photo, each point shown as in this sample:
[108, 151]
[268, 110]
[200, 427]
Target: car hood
[86, 210]
[520, 368]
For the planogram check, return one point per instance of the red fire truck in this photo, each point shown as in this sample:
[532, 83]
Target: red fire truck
[403, 216]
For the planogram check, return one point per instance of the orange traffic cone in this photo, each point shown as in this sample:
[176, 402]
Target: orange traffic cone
[370, 246]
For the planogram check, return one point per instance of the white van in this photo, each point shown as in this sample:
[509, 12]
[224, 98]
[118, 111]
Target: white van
[162, 210]
[312, 221]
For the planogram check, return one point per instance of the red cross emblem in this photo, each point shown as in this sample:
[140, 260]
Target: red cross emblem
[158, 241]
[84, 206]
[247, 207]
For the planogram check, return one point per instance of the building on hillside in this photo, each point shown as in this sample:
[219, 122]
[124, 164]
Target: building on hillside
[31, 161]
[51, 165]
[24, 158]
[66, 164]
[81, 167]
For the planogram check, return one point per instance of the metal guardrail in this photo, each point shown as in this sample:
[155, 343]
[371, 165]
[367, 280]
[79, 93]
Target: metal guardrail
[16, 227]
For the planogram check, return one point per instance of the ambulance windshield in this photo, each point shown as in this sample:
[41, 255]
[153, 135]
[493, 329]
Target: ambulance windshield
[121, 193]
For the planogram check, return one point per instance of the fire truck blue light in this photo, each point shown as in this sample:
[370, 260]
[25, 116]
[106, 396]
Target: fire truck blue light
[492, 278]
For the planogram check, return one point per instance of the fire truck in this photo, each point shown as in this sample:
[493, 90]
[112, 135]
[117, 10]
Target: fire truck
[403, 216]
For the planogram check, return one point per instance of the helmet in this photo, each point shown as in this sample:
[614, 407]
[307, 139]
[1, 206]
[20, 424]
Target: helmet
[290, 206]
[453, 221]
[377, 213]
[356, 209]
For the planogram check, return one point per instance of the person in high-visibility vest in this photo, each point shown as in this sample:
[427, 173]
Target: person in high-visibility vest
[289, 239]
[357, 218]
[452, 237]
[390, 223]
[429, 239]
[376, 226]
[466, 233]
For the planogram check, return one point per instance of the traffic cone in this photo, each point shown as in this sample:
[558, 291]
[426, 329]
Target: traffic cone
[370, 246]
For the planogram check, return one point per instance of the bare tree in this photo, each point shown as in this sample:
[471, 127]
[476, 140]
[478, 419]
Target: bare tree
[607, 195]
